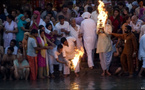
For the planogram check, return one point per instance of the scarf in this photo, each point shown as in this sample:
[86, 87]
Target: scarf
[37, 20]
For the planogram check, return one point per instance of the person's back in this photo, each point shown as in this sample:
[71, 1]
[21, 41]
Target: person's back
[30, 47]
[89, 27]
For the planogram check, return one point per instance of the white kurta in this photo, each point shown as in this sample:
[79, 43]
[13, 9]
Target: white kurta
[88, 28]
[69, 53]
[94, 16]
[136, 26]
[53, 55]
[104, 47]
[75, 34]
[142, 32]
[58, 27]
[9, 36]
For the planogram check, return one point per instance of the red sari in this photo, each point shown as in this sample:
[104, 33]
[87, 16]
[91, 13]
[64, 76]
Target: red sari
[116, 23]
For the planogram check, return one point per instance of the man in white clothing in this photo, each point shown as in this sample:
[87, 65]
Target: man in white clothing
[94, 15]
[136, 25]
[12, 44]
[55, 58]
[88, 29]
[69, 45]
[62, 28]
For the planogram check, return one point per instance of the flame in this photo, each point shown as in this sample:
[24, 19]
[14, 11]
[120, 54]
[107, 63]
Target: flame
[103, 15]
[75, 60]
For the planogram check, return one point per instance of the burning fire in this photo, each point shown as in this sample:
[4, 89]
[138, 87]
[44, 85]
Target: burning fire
[75, 60]
[102, 17]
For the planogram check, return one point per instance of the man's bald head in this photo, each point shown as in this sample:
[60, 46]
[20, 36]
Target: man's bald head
[134, 19]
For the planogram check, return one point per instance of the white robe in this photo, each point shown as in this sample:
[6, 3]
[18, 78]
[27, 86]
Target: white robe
[88, 28]
[69, 53]
[74, 33]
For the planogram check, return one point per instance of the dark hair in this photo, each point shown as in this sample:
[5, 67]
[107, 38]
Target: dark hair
[11, 48]
[20, 10]
[126, 18]
[14, 41]
[48, 24]
[41, 31]
[28, 12]
[50, 4]
[10, 17]
[14, 11]
[128, 27]
[139, 1]
[60, 17]
[118, 16]
[70, 3]
[20, 41]
[59, 46]
[21, 49]
[41, 26]
[90, 9]
[45, 17]
[64, 6]
[63, 39]
[38, 9]
[121, 3]
[34, 31]
[127, 9]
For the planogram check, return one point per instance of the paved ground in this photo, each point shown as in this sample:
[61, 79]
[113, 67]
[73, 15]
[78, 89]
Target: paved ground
[88, 79]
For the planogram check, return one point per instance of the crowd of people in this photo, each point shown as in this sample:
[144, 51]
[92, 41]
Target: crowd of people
[33, 41]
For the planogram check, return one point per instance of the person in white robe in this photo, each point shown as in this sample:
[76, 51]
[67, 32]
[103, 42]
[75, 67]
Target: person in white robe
[104, 48]
[141, 54]
[88, 29]
[75, 32]
[69, 45]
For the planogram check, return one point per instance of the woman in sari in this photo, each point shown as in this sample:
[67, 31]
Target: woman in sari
[36, 20]
[21, 28]
[43, 68]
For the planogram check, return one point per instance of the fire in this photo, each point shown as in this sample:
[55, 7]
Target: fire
[75, 60]
[102, 17]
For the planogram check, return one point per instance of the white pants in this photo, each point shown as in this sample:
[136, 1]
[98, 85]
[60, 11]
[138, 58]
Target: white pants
[53, 62]
[90, 58]
[66, 68]
[105, 59]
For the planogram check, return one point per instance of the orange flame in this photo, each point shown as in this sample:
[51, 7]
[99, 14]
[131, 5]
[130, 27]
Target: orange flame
[75, 60]
[102, 17]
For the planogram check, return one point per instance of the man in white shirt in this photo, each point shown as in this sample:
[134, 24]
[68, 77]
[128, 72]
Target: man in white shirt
[62, 28]
[12, 44]
[88, 29]
[47, 20]
[69, 45]
[55, 58]
[136, 25]
[94, 15]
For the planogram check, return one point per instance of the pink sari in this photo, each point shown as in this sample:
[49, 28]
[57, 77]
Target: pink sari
[37, 20]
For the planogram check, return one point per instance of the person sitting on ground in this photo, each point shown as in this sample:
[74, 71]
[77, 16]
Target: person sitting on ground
[12, 44]
[115, 66]
[21, 67]
[7, 67]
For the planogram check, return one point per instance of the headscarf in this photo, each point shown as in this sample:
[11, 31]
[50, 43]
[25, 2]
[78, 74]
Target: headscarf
[20, 21]
[37, 20]
[86, 15]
